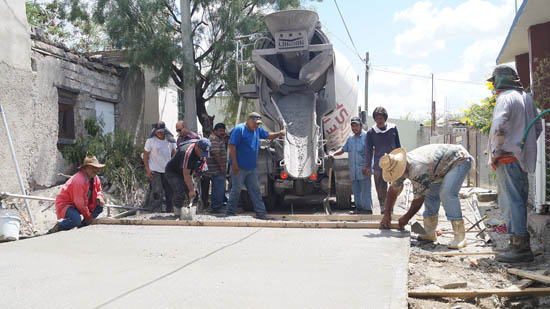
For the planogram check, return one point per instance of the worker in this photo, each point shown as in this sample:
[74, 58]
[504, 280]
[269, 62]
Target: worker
[514, 110]
[356, 148]
[157, 152]
[436, 172]
[184, 134]
[80, 199]
[216, 169]
[189, 159]
[382, 138]
[244, 144]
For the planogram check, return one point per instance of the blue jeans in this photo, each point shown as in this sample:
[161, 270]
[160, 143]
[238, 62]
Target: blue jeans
[362, 194]
[513, 190]
[446, 191]
[73, 219]
[218, 191]
[249, 178]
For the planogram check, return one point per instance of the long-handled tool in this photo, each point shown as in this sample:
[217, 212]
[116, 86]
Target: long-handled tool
[326, 201]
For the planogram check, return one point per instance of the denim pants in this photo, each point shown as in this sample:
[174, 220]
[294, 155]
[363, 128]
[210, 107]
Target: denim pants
[218, 191]
[73, 219]
[381, 188]
[160, 187]
[179, 189]
[446, 192]
[362, 194]
[513, 191]
[249, 178]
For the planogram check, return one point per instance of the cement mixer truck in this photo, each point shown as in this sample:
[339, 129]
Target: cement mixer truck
[304, 85]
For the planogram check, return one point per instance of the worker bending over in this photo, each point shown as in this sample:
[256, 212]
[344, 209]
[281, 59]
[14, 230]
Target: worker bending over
[437, 172]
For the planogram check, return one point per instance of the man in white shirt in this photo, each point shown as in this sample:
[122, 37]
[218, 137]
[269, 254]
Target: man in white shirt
[157, 152]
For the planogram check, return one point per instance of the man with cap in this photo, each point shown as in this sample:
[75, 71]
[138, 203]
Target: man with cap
[190, 158]
[382, 138]
[514, 110]
[80, 196]
[216, 168]
[436, 172]
[157, 152]
[359, 173]
[244, 143]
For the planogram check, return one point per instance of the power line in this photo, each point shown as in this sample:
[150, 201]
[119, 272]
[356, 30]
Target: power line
[347, 30]
[377, 68]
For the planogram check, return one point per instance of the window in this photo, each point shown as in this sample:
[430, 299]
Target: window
[105, 112]
[66, 104]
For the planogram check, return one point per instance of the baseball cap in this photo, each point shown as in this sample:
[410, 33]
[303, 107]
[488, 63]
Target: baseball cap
[355, 120]
[257, 117]
[204, 146]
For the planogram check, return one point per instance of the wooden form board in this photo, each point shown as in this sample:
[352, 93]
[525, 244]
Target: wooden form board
[273, 224]
[529, 275]
[329, 217]
[479, 293]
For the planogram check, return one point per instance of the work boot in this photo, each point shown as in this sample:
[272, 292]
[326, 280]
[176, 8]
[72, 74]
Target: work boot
[54, 229]
[520, 253]
[460, 235]
[507, 248]
[430, 223]
[177, 212]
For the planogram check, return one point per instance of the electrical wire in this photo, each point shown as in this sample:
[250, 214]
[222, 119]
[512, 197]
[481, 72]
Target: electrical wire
[347, 30]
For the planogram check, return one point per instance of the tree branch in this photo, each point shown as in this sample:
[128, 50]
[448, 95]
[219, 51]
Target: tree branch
[167, 5]
[218, 90]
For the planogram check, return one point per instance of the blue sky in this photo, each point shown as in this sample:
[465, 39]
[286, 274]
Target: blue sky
[457, 40]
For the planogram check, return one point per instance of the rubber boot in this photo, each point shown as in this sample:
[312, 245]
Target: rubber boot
[520, 253]
[430, 223]
[507, 248]
[459, 240]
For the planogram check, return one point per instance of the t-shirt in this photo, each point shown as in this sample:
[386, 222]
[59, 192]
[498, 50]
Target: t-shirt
[187, 138]
[218, 146]
[429, 164]
[186, 158]
[160, 152]
[247, 144]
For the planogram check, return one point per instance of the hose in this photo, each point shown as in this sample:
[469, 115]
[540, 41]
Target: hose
[531, 125]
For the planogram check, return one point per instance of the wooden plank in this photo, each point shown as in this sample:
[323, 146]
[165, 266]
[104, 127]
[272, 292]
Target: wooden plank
[479, 293]
[273, 224]
[523, 284]
[328, 217]
[529, 275]
[456, 253]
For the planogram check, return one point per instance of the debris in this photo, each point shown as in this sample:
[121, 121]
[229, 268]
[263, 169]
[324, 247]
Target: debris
[474, 262]
[455, 253]
[454, 285]
[529, 275]
[417, 228]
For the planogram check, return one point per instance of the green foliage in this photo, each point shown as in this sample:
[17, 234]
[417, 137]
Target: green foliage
[541, 82]
[479, 116]
[119, 154]
[74, 29]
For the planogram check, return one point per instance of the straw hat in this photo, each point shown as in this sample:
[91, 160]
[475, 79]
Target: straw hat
[91, 161]
[393, 164]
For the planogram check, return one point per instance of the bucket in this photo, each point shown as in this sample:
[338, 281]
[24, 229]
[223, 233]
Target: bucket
[10, 221]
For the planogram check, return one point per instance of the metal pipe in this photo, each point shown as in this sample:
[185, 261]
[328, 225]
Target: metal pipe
[5, 195]
[14, 157]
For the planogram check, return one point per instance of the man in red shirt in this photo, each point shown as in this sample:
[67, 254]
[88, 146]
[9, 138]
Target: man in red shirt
[80, 196]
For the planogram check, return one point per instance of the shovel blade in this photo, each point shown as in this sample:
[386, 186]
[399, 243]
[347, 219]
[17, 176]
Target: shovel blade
[418, 229]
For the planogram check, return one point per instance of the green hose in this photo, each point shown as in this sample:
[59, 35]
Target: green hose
[530, 125]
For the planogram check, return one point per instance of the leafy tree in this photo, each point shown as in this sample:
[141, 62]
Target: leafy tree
[149, 30]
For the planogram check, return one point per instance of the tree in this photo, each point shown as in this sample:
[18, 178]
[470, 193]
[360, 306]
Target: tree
[149, 30]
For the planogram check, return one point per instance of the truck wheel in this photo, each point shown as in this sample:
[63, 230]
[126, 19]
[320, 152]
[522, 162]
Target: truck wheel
[343, 201]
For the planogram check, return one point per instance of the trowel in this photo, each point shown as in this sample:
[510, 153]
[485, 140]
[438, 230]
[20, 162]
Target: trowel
[418, 229]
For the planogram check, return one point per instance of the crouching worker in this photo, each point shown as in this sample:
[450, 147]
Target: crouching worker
[80, 196]
[436, 172]
[190, 158]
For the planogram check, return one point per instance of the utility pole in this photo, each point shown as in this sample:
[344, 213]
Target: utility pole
[189, 99]
[367, 83]
[433, 107]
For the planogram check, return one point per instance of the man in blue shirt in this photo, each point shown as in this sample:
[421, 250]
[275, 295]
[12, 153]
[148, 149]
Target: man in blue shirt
[243, 149]
[355, 146]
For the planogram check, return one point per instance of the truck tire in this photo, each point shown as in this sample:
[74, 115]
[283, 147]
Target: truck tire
[342, 183]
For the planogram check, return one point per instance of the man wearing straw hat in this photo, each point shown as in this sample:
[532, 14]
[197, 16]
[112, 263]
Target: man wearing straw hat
[80, 196]
[436, 172]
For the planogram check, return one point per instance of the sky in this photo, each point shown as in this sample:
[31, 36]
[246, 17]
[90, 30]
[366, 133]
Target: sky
[455, 40]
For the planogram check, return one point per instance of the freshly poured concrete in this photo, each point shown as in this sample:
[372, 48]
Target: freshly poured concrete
[206, 267]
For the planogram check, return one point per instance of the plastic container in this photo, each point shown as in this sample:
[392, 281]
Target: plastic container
[10, 222]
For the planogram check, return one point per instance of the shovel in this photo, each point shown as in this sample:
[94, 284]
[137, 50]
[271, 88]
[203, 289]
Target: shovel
[326, 201]
[418, 229]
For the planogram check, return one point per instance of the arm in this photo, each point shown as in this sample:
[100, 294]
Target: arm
[274, 135]
[99, 197]
[397, 141]
[146, 163]
[391, 197]
[416, 204]
[369, 154]
[79, 199]
[337, 153]
[189, 182]
[234, 164]
[501, 114]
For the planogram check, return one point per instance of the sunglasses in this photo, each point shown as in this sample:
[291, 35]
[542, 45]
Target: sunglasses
[179, 130]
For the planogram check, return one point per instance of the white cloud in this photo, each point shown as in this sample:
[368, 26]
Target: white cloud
[433, 27]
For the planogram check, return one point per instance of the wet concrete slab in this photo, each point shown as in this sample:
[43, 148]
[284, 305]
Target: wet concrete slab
[206, 267]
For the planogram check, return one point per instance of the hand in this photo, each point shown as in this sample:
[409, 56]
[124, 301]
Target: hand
[235, 169]
[192, 194]
[402, 222]
[386, 222]
[330, 156]
[366, 171]
[150, 174]
[282, 132]
[100, 201]
[88, 221]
